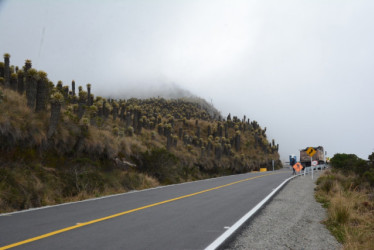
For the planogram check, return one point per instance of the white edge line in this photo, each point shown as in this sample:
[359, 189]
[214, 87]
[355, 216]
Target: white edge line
[114, 195]
[215, 244]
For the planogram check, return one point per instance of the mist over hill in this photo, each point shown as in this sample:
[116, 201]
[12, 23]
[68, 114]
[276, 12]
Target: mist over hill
[148, 90]
[166, 90]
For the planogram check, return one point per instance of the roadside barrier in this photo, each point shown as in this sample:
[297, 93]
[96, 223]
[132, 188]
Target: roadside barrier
[311, 169]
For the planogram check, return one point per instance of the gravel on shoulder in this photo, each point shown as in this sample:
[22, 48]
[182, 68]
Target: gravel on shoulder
[291, 220]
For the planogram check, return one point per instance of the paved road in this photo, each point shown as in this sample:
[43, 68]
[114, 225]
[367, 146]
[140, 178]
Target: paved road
[149, 219]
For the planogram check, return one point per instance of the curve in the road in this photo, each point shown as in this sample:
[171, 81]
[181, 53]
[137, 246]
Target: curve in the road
[123, 213]
[220, 240]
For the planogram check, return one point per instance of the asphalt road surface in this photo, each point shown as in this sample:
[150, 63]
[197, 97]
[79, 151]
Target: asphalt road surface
[184, 216]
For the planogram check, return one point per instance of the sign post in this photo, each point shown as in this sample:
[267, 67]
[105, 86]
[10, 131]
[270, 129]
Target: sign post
[311, 160]
[324, 159]
[272, 162]
[311, 151]
[315, 163]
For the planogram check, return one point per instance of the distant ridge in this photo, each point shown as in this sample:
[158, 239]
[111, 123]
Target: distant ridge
[169, 91]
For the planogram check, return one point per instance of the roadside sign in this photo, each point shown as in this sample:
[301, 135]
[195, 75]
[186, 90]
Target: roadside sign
[297, 167]
[314, 163]
[310, 151]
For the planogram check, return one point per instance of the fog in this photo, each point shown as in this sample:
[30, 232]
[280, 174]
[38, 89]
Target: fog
[303, 69]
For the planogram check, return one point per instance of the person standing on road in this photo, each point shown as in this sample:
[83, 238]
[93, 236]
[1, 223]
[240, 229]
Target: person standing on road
[292, 163]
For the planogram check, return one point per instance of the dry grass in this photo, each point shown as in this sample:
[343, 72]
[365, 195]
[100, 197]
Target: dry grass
[350, 209]
[78, 162]
[100, 142]
[121, 182]
[25, 187]
[19, 123]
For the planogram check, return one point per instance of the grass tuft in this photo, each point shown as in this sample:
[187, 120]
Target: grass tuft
[349, 207]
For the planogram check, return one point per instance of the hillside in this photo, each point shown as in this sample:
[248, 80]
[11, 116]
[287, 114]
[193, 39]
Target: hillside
[59, 144]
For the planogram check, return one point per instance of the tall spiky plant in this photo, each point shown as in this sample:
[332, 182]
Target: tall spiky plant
[7, 69]
[59, 86]
[21, 85]
[237, 141]
[108, 109]
[31, 85]
[41, 92]
[92, 98]
[128, 120]
[2, 69]
[115, 110]
[81, 103]
[197, 131]
[28, 65]
[65, 92]
[13, 81]
[169, 141]
[218, 151]
[73, 87]
[92, 114]
[1, 93]
[89, 103]
[122, 112]
[56, 101]
[51, 89]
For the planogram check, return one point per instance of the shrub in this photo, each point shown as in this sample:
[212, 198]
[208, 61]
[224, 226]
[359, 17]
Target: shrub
[369, 176]
[340, 210]
[130, 131]
[350, 217]
[1, 96]
[134, 180]
[325, 183]
[161, 164]
[349, 163]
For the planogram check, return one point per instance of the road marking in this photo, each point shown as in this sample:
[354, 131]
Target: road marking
[115, 195]
[227, 234]
[125, 212]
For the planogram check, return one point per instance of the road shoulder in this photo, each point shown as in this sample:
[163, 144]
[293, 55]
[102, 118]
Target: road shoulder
[292, 220]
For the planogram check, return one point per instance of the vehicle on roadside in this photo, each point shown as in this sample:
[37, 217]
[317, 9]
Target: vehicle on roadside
[293, 159]
[319, 156]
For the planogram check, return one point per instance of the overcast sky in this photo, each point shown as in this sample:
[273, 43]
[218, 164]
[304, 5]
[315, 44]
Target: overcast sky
[303, 69]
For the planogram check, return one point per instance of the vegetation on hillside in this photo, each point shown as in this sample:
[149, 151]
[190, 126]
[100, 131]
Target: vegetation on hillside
[60, 143]
[348, 193]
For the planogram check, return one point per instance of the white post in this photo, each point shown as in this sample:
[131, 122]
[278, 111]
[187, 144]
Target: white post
[311, 162]
[272, 162]
[324, 160]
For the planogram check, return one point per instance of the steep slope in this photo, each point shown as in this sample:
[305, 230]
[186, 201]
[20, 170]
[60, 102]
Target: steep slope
[59, 145]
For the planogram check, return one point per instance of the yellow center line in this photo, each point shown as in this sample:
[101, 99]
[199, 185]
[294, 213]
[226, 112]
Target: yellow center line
[123, 213]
